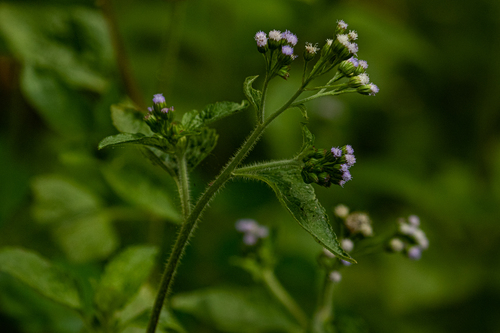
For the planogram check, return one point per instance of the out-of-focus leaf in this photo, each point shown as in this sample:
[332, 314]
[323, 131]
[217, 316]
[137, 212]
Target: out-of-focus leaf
[137, 188]
[57, 199]
[307, 137]
[80, 226]
[62, 108]
[128, 120]
[303, 110]
[123, 277]
[236, 310]
[193, 120]
[300, 200]
[135, 315]
[70, 41]
[254, 96]
[40, 275]
[132, 139]
[87, 238]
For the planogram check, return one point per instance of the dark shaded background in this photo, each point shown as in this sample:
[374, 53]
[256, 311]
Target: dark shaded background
[427, 144]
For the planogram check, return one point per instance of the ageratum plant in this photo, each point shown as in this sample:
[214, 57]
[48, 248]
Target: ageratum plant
[178, 146]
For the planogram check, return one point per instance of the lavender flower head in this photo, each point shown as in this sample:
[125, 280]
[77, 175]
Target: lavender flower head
[252, 231]
[350, 159]
[353, 61]
[290, 37]
[165, 110]
[158, 98]
[352, 35]
[275, 35]
[261, 38]
[374, 89]
[336, 152]
[414, 220]
[287, 50]
[344, 40]
[341, 24]
[353, 48]
[349, 149]
[364, 79]
[150, 109]
[346, 176]
[363, 64]
[415, 253]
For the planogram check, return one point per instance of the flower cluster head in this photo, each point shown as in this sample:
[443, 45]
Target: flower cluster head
[252, 231]
[329, 167]
[159, 117]
[409, 238]
[277, 50]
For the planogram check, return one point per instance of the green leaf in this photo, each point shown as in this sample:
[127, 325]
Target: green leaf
[129, 120]
[160, 158]
[123, 277]
[58, 199]
[133, 139]
[300, 200]
[87, 238]
[236, 310]
[141, 189]
[41, 275]
[254, 96]
[303, 110]
[194, 120]
[307, 137]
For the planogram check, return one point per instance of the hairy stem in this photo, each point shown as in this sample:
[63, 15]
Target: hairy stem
[275, 287]
[183, 186]
[267, 165]
[190, 223]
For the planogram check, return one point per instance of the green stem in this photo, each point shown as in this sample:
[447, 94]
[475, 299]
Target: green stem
[324, 315]
[268, 165]
[275, 287]
[317, 95]
[190, 223]
[263, 100]
[183, 186]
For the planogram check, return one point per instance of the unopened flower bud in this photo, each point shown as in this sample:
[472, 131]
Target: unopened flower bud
[348, 67]
[341, 211]
[396, 245]
[335, 277]
[368, 89]
[414, 253]
[347, 244]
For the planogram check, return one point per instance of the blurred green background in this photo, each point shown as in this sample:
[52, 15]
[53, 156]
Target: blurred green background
[427, 144]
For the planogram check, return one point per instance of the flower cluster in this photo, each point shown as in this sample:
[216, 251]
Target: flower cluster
[160, 117]
[252, 231]
[277, 50]
[329, 167]
[409, 238]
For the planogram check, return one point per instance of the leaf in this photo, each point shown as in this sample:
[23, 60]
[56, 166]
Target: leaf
[307, 137]
[123, 277]
[141, 189]
[254, 96]
[133, 139]
[303, 110]
[58, 199]
[41, 275]
[87, 238]
[236, 310]
[300, 200]
[126, 119]
[194, 120]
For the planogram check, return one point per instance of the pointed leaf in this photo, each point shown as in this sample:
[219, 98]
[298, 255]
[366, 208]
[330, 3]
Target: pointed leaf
[133, 139]
[307, 137]
[300, 200]
[236, 310]
[123, 277]
[254, 96]
[41, 275]
[303, 110]
[129, 120]
[193, 120]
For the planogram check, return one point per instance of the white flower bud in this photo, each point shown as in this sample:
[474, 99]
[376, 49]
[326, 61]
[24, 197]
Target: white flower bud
[341, 211]
[335, 277]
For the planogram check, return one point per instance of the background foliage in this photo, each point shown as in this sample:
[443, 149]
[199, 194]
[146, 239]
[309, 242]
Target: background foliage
[428, 143]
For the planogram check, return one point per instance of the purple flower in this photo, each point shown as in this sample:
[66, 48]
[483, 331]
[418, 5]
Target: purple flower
[287, 50]
[352, 35]
[164, 110]
[415, 253]
[414, 220]
[336, 152]
[349, 149]
[290, 38]
[341, 24]
[158, 98]
[344, 167]
[150, 109]
[261, 38]
[350, 159]
[353, 61]
[363, 64]
[352, 47]
[346, 176]
[374, 89]
[342, 183]
[345, 263]
[252, 231]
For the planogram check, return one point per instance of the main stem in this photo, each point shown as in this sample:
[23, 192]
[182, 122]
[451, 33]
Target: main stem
[190, 223]
[282, 295]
